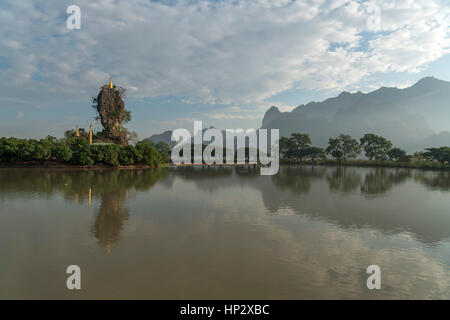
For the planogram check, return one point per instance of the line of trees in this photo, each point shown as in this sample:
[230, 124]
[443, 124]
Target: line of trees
[298, 147]
[78, 151]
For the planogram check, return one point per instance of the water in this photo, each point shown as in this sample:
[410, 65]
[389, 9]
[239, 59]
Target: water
[225, 233]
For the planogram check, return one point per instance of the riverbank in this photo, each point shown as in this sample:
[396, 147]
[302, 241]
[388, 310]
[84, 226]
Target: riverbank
[371, 163]
[57, 165]
[327, 162]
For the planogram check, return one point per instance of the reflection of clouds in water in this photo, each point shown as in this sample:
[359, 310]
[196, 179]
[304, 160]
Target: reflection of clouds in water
[232, 235]
[389, 200]
[312, 259]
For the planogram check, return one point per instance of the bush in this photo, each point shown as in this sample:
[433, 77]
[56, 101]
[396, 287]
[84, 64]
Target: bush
[111, 155]
[61, 152]
[80, 151]
[150, 156]
[129, 155]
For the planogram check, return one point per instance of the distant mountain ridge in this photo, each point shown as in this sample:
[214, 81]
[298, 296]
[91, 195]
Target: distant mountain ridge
[412, 118]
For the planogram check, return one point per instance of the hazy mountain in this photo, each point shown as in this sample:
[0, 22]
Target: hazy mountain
[164, 137]
[412, 118]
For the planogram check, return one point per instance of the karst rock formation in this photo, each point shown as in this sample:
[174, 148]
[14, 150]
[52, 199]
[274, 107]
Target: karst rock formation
[112, 114]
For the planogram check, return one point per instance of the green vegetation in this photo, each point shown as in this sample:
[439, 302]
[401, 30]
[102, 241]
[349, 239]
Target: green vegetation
[298, 147]
[344, 149]
[78, 151]
[375, 147]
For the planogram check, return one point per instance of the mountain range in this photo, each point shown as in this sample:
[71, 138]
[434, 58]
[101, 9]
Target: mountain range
[413, 118]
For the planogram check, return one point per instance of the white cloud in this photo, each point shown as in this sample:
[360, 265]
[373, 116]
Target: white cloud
[228, 116]
[226, 52]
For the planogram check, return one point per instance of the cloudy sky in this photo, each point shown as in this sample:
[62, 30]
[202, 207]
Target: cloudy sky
[224, 62]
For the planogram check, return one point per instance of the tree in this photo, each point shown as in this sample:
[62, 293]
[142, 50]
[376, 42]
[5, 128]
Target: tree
[287, 147]
[129, 155]
[301, 141]
[343, 147]
[61, 152]
[165, 151]
[441, 154]
[111, 154]
[150, 156]
[375, 147]
[8, 149]
[313, 153]
[81, 154]
[397, 154]
[294, 146]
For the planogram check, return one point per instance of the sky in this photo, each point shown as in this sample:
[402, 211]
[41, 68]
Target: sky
[223, 62]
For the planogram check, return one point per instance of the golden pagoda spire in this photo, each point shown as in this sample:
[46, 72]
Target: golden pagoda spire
[90, 134]
[77, 132]
[110, 83]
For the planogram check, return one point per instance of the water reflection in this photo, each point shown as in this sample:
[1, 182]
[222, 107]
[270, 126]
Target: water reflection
[378, 181]
[109, 188]
[300, 189]
[225, 232]
[344, 179]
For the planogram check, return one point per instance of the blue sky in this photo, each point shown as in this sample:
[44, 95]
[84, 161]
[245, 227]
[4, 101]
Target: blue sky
[223, 62]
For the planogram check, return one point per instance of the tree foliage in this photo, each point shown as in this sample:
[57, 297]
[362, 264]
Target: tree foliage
[375, 147]
[343, 147]
[77, 151]
[397, 154]
[442, 154]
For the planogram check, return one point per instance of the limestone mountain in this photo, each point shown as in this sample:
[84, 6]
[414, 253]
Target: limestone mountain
[412, 118]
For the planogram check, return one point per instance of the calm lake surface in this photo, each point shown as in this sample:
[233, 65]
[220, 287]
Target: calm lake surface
[225, 233]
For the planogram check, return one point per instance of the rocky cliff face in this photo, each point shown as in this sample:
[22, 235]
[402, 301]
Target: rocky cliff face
[112, 114]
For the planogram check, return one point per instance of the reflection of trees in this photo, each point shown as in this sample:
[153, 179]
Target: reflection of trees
[380, 180]
[344, 179]
[203, 172]
[297, 179]
[434, 180]
[109, 185]
[391, 216]
[205, 177]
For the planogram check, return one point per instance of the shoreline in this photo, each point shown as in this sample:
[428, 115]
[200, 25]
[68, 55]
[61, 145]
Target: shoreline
[425, 165]
[55, 165]
[332, 163]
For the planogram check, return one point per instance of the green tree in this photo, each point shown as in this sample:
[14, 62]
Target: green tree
[81, 154]
[165, 151]
[61, 152]
[128, 155]
[287, 148]
[397, 154]
[8, 149]
[375, 147]
[343, 147]
[313, 153]
[301, 141]
[441, 154]
[150, 156]
[111, 154]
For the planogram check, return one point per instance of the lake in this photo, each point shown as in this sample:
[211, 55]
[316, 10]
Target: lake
[225, 233]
